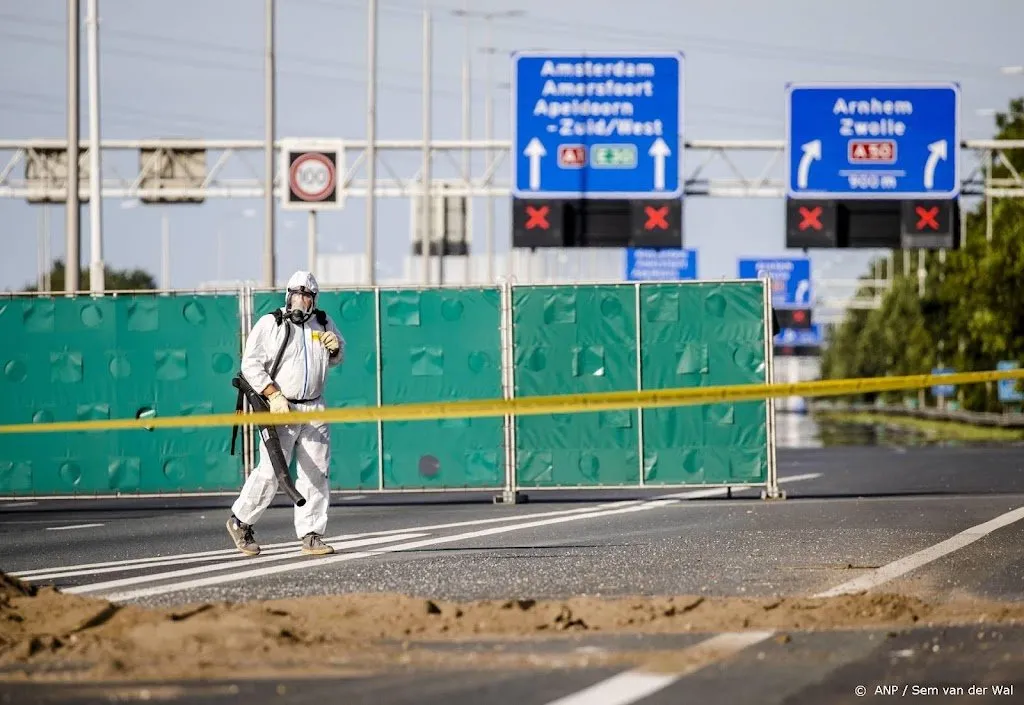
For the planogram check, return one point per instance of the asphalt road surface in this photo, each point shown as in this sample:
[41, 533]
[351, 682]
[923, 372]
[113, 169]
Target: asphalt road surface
[942, 520]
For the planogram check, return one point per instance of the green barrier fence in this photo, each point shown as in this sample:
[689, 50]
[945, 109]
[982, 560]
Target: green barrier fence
[96, 357]
[606, 338]
[81, 357]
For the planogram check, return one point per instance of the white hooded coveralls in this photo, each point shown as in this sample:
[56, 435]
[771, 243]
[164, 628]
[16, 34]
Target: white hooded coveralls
[300, 377]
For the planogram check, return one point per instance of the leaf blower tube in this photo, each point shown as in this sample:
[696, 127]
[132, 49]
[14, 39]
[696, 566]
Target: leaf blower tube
[271, 440]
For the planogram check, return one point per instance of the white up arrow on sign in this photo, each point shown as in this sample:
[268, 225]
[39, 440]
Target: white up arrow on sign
[535, 150]
[659, 150]
[936, 151]
[812, 151]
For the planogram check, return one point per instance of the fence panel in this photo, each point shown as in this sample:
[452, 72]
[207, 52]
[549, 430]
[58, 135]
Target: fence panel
[701, 334]
[78, 358]
[441, 345]
[575, 339]
[355, 454]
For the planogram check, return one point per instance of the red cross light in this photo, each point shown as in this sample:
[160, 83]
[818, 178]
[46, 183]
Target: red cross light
[538, 217]
[810, 217]
[926, 217]
[656, 218]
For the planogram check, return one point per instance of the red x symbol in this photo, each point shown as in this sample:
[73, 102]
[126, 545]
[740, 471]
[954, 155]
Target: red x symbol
[656, 218]
[810, 217]
[926, 217]
[538, 217]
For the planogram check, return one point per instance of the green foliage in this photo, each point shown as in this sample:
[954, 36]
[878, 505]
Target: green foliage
[972, 312]
[113, 279]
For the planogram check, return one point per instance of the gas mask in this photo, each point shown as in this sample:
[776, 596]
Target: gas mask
[300, 309]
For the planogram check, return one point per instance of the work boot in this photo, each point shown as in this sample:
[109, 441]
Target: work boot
[313, 546]
[242, 535]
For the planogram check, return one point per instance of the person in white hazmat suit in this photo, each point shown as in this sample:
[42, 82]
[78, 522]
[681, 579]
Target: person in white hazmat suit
[314, 346]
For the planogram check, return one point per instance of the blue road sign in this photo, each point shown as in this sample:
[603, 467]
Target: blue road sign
[666, 264]
[873, 141]
[597, 126]
[798, 338]
[1007, 388]
[791, 279]
[943, 390]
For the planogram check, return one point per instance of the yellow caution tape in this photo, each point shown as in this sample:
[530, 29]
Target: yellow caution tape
[525, 406]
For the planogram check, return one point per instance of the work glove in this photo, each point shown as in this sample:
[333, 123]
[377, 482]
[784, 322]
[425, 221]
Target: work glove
[331, 342]
[278, 404]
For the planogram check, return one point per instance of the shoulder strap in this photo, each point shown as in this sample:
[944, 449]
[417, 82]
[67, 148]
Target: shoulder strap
[280, 351]
[278, 317]
[321, 317]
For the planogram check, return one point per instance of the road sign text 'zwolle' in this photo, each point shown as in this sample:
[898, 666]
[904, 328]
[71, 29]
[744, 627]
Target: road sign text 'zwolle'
[873, 141]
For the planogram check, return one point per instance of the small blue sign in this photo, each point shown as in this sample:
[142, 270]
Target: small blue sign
[1007, 388]
[800, 338]
[790, 277]
[943, 390]
[602, 125]
[665, 264]
[873, 141]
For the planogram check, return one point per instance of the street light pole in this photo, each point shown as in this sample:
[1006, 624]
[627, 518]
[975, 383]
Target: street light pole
[73, 258]
[488, 18]
[269, 263]
[371, 146]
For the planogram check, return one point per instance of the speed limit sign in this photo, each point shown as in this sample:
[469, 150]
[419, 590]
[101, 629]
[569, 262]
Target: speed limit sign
[311, 175]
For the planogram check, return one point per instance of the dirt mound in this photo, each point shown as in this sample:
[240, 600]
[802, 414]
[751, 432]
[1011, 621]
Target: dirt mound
[43, 630]
[12, 587]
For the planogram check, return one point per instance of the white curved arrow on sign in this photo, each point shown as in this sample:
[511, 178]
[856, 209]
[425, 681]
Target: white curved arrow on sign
[812, 152]
[936, 151]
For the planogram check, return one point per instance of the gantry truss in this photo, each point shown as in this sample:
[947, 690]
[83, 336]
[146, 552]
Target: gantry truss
[175, 170]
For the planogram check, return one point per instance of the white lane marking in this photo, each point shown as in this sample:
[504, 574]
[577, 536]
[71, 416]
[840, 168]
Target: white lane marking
[906, 564]
[227, 565]
[233, 556]
[157, 563]
[12, 505]
[148, 561]
[630, 686]
[329, 560]
[286, 544]
[626, 687]
[611, 691]
[73, 526]
[717, 491]
[352, 498]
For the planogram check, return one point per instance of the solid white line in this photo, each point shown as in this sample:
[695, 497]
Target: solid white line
[330, 560]
[12, 505]
[232, 556]
[915, 560]
[158, 563]
[153, 577]
[717, 491]
[630, 686]
[342, 537]
[73, 526]
[353, 498]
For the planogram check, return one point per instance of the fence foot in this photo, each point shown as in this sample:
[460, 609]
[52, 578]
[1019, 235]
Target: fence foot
[728, 492]
[511, 497]
[773, 493]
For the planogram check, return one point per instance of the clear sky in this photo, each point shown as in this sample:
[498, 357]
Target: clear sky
[194, 68]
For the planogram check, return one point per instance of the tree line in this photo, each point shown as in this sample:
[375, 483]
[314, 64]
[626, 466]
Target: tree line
[970, 314]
